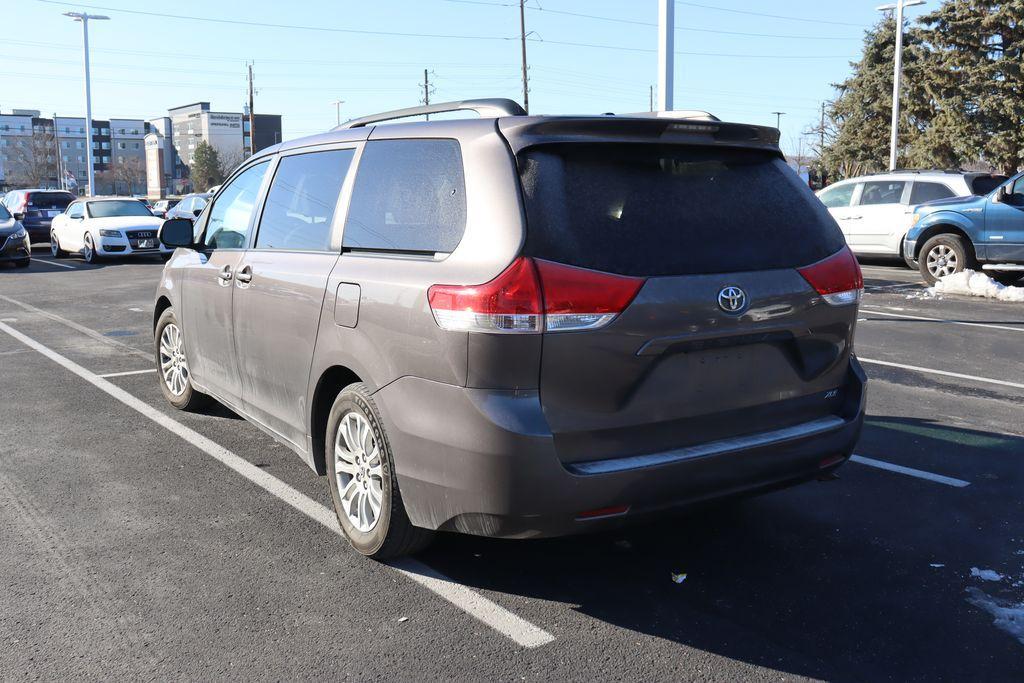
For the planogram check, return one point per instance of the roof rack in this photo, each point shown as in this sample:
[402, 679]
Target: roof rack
[924, 170]
[495, 106]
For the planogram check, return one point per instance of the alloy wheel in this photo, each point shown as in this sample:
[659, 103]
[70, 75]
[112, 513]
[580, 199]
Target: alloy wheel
[173, 366]
[359, 471]
[942, 261]
[54, 246]
[87, 250]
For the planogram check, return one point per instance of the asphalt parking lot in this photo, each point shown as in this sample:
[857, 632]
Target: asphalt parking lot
[146, 543]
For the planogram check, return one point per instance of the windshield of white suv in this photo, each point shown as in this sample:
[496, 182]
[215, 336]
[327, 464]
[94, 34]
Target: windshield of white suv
[110, 209]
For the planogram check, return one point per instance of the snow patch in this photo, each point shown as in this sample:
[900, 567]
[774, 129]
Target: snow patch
[1007, 616]
[972, 283]
[986, 574]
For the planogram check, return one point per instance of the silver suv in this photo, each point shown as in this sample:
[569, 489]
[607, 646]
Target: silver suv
[520, 326]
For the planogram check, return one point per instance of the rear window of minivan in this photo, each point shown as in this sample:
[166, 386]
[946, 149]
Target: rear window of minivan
[658, 210]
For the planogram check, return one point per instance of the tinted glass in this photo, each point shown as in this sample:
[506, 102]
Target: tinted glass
[881, 192]
[409, 195]
[301, 201]
[838, 197]
[50, 200]
[4, 214]
[986, 183]
[109, 209]
[928, 192]
[75, 210]
[231, 216]
[670, 210]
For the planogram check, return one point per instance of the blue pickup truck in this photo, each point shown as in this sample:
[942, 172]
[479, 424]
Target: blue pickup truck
[980, 232]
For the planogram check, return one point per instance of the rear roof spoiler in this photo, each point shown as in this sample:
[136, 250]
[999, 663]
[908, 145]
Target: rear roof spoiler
[488, 107]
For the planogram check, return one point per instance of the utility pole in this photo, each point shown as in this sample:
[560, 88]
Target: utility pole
[666, 53]
[778, 118]
[252, 117]
[821, 133]
[60, 164]
[84, 18]
[897, 76]
[522, 40]
[337, 106]
[650, 99]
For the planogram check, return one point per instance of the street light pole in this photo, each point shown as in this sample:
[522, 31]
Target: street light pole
[337, 109]
[666, 53]
[84, 18]
[897, 76]
[778, 118]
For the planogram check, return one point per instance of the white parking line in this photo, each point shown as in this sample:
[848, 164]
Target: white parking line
[899, 284]
[910, 471]
[89, 332]
[125, 374]
[488, 612]
[967, 323]
[944, 373]
[54, 263]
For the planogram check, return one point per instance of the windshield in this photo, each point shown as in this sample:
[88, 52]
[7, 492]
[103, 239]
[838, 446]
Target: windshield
[4, 213]
[656, 210]
[126, 207]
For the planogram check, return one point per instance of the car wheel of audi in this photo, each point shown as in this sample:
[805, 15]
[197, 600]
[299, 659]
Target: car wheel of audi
[89, 250]
[362, 479]
[55, 249]
[172, 365]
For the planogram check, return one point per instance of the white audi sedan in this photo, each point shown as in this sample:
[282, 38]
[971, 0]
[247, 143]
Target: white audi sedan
[103, 227]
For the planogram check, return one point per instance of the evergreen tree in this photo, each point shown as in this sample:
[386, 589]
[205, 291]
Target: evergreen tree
[205, 170]
[977, 79]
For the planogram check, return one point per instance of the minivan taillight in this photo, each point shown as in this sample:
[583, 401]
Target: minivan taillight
[837, 278]
[531, 296]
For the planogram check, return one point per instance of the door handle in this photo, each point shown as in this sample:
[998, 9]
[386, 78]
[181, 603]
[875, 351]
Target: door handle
[225, 273]
[244, 274]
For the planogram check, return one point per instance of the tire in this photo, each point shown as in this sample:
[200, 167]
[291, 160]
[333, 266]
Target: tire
[89, 250]
[353, 423]
[1007, 277]
[55, 249]
[24, 263]
[176, 387]
[943, 255]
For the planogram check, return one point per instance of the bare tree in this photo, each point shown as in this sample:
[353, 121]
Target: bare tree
[129, 173]
[32, 161]
[229, 161]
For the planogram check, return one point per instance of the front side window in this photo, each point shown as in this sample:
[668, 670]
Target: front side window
[409, 195]
[882, 192]
[929, 192]
[75, 211]
[302, 199]
[231, 216]
[838, 197]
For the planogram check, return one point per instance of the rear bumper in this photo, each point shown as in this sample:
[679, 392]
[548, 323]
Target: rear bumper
[484, 462]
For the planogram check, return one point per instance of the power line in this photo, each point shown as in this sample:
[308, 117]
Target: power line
[770, 16]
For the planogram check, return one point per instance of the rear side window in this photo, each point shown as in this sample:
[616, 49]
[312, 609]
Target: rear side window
[653, 210]
[302, 199]
[929, 192]
[409, 195]
[838, 197]
[984, 184]
[882, 192]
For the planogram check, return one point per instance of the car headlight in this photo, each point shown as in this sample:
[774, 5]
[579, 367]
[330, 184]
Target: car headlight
[110, 233]
[20, 234]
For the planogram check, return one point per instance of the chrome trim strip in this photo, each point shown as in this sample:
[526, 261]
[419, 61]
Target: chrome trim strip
[720, 447]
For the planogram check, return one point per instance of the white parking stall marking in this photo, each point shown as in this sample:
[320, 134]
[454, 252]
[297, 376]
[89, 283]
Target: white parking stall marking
[944, 373]
[89, 332]
[512, 626]
[895, 286]
[967, 323]
[126, 373]
[54, 263]
[910, 471]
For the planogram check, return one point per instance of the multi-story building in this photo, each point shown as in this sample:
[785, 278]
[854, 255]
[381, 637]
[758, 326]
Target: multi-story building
[31, 146]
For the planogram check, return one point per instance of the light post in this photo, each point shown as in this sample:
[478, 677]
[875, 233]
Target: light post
[666, 53]
[898, 8]
[778, 119]
[337, 109]
[84, 18]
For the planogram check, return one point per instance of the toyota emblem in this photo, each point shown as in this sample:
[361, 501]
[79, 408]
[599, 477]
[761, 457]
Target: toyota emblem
[732, 299]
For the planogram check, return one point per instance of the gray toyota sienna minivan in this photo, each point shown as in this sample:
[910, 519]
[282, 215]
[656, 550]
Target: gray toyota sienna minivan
[521, 326]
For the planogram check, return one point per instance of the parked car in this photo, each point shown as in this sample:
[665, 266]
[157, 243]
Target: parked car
[101, 227]
[520, 326]
[874, 212]
[985, 232]
[162, 206]
[15, 245]
[190, 206]
[39, 207]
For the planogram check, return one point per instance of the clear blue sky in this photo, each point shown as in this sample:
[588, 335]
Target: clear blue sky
[144, 64]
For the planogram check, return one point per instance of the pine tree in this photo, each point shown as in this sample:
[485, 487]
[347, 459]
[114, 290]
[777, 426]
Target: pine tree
[977, 79]
[205, 170]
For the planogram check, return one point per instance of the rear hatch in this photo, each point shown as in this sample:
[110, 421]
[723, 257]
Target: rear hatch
[43, 206]
[706, 228]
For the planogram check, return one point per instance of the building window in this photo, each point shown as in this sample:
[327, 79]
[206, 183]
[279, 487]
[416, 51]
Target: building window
[121, 145]
[135, 145]
[106, 131]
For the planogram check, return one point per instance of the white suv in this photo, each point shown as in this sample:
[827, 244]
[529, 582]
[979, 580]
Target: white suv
[874, 212]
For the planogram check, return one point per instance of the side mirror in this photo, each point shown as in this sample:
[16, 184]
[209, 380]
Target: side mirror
[19, 217]
[176, 232]
[1002, 194]
[196, 212]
